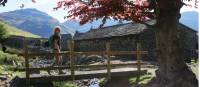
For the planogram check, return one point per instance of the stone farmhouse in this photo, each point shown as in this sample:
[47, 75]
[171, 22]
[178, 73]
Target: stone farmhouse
[123, 37]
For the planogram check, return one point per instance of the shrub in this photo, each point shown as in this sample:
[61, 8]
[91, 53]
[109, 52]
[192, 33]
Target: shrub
[7, 66]
[64, 84]
[142, 81]
[9, 58]
[3, 32]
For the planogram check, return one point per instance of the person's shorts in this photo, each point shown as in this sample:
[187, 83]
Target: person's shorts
[55, 51]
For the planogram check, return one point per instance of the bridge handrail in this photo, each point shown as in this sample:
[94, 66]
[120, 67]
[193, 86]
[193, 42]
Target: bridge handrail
[85, 53]
[72, 53]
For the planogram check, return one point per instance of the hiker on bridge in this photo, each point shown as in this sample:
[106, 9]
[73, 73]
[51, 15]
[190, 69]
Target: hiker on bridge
[54, 43]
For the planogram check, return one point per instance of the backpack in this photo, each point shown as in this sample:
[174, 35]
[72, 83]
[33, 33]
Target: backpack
[50, 41]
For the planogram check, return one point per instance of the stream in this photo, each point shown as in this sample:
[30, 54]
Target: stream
[88, 83]
[80, 83]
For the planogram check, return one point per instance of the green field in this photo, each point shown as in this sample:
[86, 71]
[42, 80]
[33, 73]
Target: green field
[17, 32]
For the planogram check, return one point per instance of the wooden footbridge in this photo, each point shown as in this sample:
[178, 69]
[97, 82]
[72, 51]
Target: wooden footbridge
[74, 74]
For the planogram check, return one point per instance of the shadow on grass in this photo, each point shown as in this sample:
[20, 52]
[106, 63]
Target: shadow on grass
[64, 84]
[141, 81]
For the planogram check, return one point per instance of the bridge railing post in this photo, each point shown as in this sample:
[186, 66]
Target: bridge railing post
[25, 47]
[138, 60]
[72, 66]
[108, 60]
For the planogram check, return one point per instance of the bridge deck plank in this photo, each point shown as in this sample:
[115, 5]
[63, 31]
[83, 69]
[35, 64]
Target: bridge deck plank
[120, 72]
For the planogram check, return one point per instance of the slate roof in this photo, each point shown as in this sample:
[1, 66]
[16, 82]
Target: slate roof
[115, 31]
[66, 36]
[112, 31]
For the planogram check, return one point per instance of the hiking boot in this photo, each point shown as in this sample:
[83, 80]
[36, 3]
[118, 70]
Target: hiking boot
[49, 72]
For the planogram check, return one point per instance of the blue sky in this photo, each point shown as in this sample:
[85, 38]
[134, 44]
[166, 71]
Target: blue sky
[48, 5]
[42, 5]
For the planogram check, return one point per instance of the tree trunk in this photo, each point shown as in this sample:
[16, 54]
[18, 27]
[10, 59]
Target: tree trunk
[173, 71]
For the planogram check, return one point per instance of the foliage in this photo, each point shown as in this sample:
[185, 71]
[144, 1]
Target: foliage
[3, 32]
[89, 10]
[3, 2]
[102, 82]
[13, 50]
[9, 58]
[7, 67]
[144, 79]
[9, 72]
[133, 10]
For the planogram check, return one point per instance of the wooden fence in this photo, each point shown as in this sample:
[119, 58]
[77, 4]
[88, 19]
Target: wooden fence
[71, 53]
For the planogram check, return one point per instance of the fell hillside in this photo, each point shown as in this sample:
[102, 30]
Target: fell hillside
[34, 21]
[17, 32]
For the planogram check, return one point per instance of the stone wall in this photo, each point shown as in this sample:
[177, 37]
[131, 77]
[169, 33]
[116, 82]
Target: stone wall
[189, 39]
[123, 43]
[128, 43]
[14, 42]
[17, 42]
[34, 45]
[64, 41]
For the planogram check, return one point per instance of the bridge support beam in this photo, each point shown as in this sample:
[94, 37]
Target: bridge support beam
[26, 62]
[138, 60]
[72, 66]
[108, 60]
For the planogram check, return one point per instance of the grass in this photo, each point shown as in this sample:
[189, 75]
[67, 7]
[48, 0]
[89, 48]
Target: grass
[102, 82]
[17, 32]
[143, 80]
[9, 58]
[194, 67]
[7, 67]
[64, 84]
[13, 50]
[8, 71]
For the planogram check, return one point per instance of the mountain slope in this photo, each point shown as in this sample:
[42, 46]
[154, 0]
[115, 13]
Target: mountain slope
[33, 21]
[14, 31]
